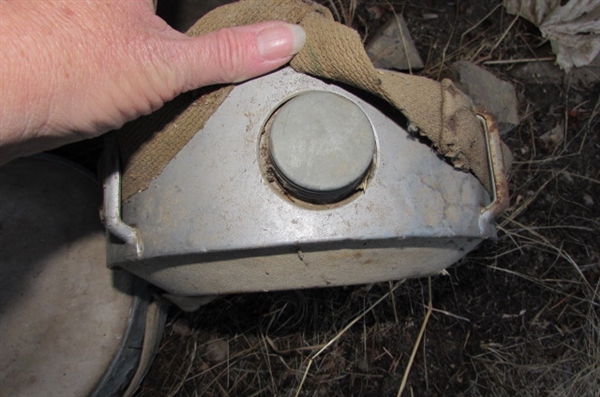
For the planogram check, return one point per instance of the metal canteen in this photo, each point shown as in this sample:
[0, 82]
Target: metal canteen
[234, 212]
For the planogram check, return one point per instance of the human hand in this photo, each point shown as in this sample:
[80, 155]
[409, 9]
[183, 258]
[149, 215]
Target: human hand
[72, 70]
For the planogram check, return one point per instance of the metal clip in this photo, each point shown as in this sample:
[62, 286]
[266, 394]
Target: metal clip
[500, 199]
[111, 212]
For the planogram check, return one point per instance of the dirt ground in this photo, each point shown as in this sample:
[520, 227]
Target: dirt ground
[519, 316]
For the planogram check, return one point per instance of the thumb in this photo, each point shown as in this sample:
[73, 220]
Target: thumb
[235, 54]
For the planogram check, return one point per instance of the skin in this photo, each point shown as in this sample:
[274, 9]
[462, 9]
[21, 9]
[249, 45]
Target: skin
[72, 70]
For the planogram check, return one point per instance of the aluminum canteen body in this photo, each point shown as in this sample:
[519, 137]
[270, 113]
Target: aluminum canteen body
[252, 203]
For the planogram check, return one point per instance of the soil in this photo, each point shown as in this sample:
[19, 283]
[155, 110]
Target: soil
[518, 316]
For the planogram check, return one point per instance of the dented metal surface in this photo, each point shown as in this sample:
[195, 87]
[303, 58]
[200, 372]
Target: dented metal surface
[215, 222]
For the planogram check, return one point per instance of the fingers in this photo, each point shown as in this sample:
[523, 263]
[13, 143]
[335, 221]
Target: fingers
[234, 54]
[109, 62]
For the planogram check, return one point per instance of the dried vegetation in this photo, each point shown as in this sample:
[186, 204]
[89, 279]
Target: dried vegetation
[520, 316]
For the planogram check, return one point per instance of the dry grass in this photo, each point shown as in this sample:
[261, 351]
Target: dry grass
[519, 317]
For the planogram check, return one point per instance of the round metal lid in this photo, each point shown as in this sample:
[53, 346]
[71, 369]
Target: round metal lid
[63, 313]
[321, 145]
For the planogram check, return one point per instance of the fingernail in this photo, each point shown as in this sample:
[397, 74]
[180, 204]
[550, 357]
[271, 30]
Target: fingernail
[280, 41]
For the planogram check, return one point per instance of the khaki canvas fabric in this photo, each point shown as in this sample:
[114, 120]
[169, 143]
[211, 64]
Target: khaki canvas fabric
[439, 110]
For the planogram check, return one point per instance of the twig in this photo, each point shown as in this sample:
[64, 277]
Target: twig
[417, 343]
[287, 352]
[335, 11]
[542, 284]
[342, 332]
[588, 125]
[526, 203]
[505, 33]
[447, 313]
[187, 371]
[446, 48]
[565, 255]
[399, 25]
[394, 304]
[520, 60]
[478, 23]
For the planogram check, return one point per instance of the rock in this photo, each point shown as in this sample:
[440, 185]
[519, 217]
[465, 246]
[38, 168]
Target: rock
[182, 328]
[550, 73]
[553, 138]
[387, 48]
[538, 73]
[488, 92]
[566, 177]
[217, 350]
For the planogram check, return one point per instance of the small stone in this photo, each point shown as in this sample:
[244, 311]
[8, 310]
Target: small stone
[553, 138]
[488, 92]
[566, 176]
[392, 47]
[429, 16]
[217, 350]
[575, 99]
[182, 328]
[363, 366]
[375, 12]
